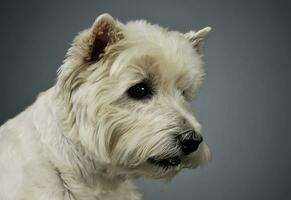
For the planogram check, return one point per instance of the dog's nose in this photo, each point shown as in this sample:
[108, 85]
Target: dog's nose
[190, 141]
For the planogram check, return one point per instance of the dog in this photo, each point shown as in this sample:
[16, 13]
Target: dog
[120, 109]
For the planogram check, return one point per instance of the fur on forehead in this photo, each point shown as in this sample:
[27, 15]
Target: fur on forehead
[150, 49]
[141, 46]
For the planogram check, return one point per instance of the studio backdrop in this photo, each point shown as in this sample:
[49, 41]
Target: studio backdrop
[244, 104]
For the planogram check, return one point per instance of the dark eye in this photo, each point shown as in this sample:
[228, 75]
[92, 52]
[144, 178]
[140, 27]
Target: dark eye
[139, 91]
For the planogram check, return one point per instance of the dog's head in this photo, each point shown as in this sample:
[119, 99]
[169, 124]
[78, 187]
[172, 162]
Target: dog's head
[127, 90]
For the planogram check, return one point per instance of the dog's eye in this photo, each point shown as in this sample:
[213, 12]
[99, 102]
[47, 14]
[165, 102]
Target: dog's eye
[139, 91]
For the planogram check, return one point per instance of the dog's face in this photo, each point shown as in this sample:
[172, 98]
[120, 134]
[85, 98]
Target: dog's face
[128, 91]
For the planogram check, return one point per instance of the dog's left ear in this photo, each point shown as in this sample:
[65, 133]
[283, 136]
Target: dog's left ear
[198, 38]
[104, 31]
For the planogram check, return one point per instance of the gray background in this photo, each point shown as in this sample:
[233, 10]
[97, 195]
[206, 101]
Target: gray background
[244, 105]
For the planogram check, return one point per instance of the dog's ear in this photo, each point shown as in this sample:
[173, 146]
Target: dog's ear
[198, 38]
[88, 47]
[104, 31]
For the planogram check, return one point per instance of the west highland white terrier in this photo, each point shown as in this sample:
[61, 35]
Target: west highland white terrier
[120, 109]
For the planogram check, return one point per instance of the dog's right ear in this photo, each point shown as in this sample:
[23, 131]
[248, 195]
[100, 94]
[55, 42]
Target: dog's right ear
[104, 32]
[88, 46]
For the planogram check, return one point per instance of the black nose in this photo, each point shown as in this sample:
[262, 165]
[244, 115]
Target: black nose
[190, 141]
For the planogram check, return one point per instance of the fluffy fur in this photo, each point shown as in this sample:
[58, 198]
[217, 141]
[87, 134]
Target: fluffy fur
[85, 138]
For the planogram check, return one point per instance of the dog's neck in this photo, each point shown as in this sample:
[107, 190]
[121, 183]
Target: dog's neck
[82, 175]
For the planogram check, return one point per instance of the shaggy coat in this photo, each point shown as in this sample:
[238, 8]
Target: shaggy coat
[85, 138]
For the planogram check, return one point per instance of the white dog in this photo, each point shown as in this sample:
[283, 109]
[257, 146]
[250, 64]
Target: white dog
[120, 109]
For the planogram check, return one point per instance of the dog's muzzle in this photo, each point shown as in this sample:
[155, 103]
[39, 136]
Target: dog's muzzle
[188, 142]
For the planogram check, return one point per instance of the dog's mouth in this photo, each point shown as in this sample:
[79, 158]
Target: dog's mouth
[167, 162]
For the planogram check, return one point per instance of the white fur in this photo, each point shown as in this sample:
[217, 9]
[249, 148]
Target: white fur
[84, 139]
